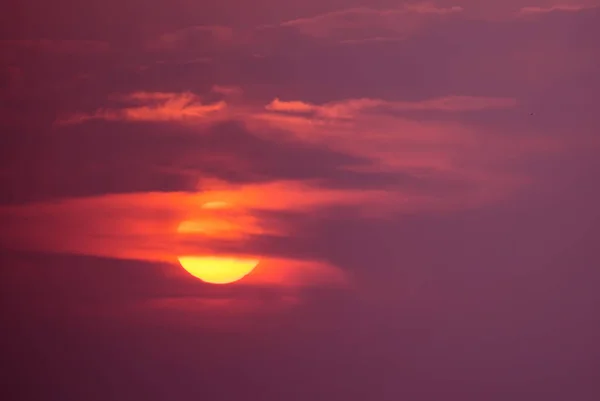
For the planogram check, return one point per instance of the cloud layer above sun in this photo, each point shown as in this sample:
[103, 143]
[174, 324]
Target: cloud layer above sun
[118, 145]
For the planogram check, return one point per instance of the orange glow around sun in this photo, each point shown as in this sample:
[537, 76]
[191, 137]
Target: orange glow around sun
[218, 269]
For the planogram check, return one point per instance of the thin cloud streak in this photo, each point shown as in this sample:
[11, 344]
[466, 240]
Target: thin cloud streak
[363, 23]
[532, 10]
[152, 107]
[351, 107]
[215, 34]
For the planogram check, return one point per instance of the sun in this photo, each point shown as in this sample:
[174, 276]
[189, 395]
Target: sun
[216, 219]
[218, 269]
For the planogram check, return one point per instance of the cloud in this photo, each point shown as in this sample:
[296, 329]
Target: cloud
[364, 23]
[522, 54]
[193, 36]
[533, 10]
[291, 106]
[220, 218]
[148, 226]
[457, 103]
[417, 116]
[365, 125]
[351, 107]
[117, 157]
[353, 17]
[227, 91]
[371, 40]
[151, 106]
[430, 8]
[353, 143]
[462, 164]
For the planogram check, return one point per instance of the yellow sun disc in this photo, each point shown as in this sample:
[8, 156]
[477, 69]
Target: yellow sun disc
[218, 269]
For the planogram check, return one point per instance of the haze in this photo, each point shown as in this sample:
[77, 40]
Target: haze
[419, 181]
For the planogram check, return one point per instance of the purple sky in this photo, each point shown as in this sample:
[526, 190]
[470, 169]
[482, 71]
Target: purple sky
[419, 181]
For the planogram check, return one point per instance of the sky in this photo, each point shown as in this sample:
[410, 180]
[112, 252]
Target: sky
[417, 179]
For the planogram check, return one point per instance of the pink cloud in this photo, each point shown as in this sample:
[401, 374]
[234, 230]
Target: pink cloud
[457, 103]
[350, 107]
[535, 10]
[385, 132]
[364, 23]
[430, 8]
[291, 106]
[151, 106]
[379, 130]
[228, 91]
[201, 34]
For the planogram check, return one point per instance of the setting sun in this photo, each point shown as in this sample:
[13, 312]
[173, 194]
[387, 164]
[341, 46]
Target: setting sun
[217, 269]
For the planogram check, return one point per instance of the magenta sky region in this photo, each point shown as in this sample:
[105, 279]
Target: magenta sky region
[400, 196]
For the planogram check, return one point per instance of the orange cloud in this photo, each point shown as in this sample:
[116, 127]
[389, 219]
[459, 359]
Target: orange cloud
[152, 106]
[350, 107]
[292, 106]
[159, 227]
[287, 272]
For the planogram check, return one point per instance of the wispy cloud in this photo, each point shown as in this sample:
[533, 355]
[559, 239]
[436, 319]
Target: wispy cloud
[227, 90]
[396, 141]
[431, 8]
[194, 36]
[363, 22]
[387, 135]
[385, 131]
[534, 10]
[350, 107]
[151, 106]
